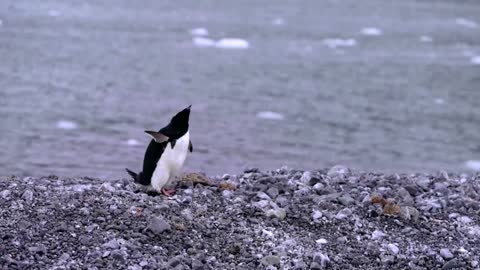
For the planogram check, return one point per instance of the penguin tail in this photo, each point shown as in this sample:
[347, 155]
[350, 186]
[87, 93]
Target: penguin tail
[133, 175]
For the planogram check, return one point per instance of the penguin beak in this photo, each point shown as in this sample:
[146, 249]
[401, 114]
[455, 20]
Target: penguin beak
[189, 107]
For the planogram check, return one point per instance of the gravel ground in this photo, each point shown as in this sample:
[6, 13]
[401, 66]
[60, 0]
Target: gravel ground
[282, 219]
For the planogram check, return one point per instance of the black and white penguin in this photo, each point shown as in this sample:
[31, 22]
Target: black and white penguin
[166, 154]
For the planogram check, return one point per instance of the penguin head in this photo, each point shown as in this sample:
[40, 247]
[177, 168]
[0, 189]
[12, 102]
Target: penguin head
[180, 120]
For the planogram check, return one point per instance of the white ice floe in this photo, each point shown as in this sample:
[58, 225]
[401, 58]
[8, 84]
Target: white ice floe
[475, 60]
[54, 13]
[132, 142]
[270, 115]
[66, 124]
[199, 32]
[203, 42]
[473, 165]
[278, 21]
[439, 101]
[338, 42]
[232, 43]
[426, 39]
[466, 23]
[371, 31]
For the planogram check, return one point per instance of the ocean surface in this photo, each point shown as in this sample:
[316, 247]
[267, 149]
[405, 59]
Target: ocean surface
[375, 85]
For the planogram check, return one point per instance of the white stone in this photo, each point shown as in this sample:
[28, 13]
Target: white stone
[393, 249]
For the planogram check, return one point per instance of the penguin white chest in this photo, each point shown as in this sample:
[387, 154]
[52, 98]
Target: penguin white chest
[170, 162]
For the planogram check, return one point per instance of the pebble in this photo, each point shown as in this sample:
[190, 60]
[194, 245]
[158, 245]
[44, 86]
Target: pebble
[272, 192]
[344, 213]
[321, 259]
[451, 264]
[27, 195]
[316, 214]
[377, 235]
[393, 249]
[158, 225]
[270, 260]
[5, 194]
[346, 200]
[279, 213]
[446, 253]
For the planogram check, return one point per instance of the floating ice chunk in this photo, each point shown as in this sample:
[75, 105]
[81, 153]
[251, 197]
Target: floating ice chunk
[199, 32]
[338, 42]
[426, 39]
[1, 22]
[473, 165]
[203, 42]
[66, 124]
[475, 60]
[132, 142]
[439, 101]
[466, 23]
[232, 43]
[371, 31]
[270, 115]
[54, 13]
[278, 21]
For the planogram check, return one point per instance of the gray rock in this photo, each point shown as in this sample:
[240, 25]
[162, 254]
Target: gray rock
[5, 194]
[446, 253]
[299, 264]
[316, 214]
[279, 213]
[409, 213]
[321, 259]
[377, 235]
[315, 266]
[173, 262]
[387, 259]
[108, 187]
[451, 264]
[227, 194]
[27, 195]
[119, 255]
[197, 265]
[346, 200]
[270, 260]
[344, 213]
[39, 249]
[262, 195]
[393, 249]
[112, 244]
[306, 177]
[405, 197]
[158, 225]
[272, 192]
[134, 267]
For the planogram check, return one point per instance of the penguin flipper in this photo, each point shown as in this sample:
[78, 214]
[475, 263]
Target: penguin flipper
[132, 174]
[157, 136]
[190, 146]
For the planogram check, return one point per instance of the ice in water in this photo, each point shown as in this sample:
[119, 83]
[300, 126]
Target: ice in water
[371, 31]
[473, 165]
[199, 32]
[439, 101]
[270, 115]
[426, 39]
[232, 43]
[466, 23]
[1, 22]
[54, 13]
[203, 42]
[475, 60]
[66, 124]
[338, 42]
[132, 142]
[278, 21]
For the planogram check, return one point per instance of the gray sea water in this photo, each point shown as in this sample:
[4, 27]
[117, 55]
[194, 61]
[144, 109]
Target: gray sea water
[374, 85]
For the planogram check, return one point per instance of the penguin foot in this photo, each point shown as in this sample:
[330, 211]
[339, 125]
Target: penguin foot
[168, 192]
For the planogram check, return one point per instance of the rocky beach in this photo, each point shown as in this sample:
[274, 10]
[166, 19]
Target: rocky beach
[333, 218]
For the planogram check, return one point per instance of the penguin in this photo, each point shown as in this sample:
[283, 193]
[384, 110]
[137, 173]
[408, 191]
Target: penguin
[166, 154]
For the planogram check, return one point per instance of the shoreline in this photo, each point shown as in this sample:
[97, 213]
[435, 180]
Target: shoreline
[282, 219]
